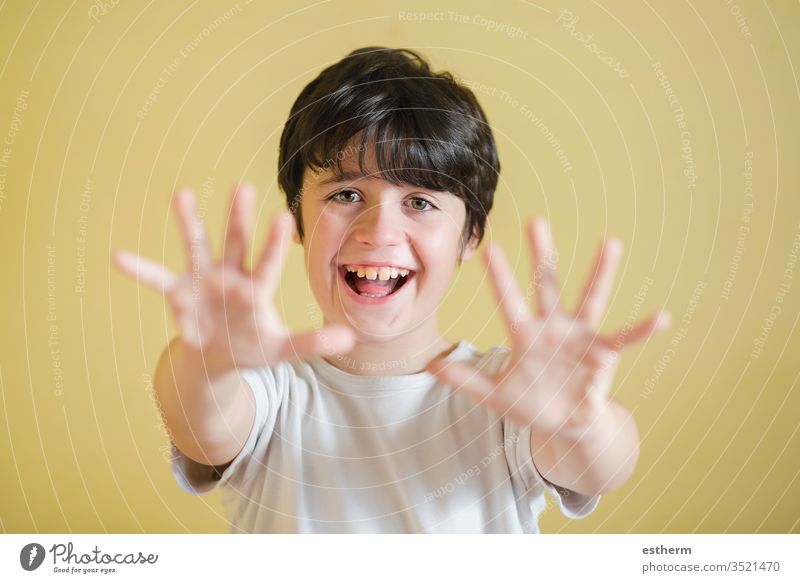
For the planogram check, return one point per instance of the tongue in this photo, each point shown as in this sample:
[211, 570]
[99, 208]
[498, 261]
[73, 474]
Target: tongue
[374, 286]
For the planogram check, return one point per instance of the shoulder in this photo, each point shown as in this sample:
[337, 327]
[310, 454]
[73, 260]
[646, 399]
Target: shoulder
[489, 361]
[276, 381]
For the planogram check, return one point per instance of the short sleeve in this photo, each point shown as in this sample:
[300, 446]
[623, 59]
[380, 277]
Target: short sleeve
[520, 460]
[268, 388]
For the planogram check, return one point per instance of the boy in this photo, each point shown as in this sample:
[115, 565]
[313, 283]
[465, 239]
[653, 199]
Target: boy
[376, 422]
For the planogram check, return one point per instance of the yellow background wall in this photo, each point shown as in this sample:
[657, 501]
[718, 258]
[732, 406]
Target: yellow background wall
[88, 164]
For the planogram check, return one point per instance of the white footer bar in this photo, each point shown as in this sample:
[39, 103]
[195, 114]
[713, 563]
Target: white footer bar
[401, 558]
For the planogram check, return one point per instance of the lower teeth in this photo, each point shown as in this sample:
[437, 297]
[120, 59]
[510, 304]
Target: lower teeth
[366, 295]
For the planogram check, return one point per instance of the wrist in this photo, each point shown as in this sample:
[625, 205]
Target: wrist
[586, 420]
[205, 363]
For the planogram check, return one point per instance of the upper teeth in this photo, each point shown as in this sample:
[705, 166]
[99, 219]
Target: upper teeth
[372, 272]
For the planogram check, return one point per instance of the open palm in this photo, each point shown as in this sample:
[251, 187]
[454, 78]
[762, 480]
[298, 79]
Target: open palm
[560, 369]
[223, 309]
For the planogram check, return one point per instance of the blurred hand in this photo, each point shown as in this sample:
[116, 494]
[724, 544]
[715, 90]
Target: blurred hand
[223, 310]
[560, 370]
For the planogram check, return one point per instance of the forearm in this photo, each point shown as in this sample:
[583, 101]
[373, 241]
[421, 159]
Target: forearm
[602, 459]
[197, 399]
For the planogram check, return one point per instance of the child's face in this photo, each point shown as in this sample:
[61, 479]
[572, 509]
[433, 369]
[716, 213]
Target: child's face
[366, 221]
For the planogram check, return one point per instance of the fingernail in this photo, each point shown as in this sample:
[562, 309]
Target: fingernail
[541, 224]
[120, 256]
[182, 199]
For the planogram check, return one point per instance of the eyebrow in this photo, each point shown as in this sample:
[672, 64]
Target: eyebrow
[346, 176]
[353, 175]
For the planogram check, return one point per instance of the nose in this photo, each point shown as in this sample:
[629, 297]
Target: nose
[380, 225]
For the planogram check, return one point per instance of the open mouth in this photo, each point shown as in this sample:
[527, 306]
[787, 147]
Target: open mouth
[376, 282]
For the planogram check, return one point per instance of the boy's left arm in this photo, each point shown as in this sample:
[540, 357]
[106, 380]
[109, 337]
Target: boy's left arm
[560, 370]
[598, 461]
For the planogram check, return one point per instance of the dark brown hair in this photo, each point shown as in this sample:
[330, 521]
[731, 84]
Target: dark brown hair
[427, 129]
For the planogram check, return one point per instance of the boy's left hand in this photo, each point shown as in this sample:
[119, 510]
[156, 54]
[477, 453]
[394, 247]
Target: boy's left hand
[559, 373]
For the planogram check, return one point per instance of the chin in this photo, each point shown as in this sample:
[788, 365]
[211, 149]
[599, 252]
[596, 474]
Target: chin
[370, 330]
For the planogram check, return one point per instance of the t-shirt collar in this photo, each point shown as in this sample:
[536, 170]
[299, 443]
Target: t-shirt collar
[343, 380]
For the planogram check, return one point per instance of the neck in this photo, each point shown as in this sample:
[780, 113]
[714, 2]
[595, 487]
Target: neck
[401, 355]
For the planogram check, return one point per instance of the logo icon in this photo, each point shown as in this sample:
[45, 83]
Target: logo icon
[31, 556]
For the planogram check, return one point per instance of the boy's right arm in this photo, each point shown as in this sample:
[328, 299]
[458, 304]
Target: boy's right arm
[228, 322]
[209, 417]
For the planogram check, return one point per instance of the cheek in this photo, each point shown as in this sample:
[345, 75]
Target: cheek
[323, 237]
[318, 249]
[325, 224]
[437, 247]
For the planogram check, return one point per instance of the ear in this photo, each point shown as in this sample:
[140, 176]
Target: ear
[469, 248]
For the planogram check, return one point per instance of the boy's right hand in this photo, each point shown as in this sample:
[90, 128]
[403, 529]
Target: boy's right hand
[223, 310]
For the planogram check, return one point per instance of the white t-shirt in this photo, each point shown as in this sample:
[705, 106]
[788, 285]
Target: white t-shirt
[335, 452]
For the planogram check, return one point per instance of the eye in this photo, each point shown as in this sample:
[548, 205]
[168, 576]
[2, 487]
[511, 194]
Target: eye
[344, 197]
[420, 204]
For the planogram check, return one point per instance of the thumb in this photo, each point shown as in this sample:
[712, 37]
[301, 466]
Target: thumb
[461, 376]
[334, 339]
